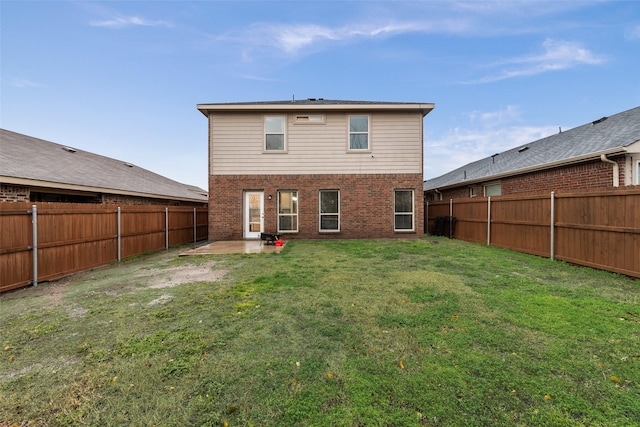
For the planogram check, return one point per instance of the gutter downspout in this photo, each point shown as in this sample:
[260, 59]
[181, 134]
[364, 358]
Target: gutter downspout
[616, 172]
[438, 193]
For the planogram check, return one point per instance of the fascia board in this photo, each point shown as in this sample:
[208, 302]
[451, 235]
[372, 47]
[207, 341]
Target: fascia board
[423, 108]
[536, 168]
[87, 189]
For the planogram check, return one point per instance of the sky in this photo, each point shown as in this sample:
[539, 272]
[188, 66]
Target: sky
[123, 78]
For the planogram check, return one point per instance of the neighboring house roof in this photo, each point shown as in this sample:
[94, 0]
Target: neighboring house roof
[608, 135]
[311, 104]
[25, 160]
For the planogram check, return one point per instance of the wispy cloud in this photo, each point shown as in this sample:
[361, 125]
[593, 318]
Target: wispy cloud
[129, 21]
[557, 55]
[487, 133]
[24, 83]
[633, 33]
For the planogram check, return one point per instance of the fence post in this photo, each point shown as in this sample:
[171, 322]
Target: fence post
[195, 219]
[34, 223]
[552, 227]
[489, 221]
[451, 218]
[166, 229]
[119, 236]
[426, 225]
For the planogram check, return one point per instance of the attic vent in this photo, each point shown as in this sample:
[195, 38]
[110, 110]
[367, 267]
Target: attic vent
[523, 149]
[595, 122]
[128, 164]
[69, 149]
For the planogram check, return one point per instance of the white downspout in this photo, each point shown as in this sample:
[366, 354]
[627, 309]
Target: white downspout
[438, 193]
[616, 173]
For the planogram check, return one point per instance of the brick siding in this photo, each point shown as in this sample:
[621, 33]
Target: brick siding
[13, 193]
[366, 204]
[579, 177]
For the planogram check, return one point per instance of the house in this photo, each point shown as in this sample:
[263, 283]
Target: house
[315, 168]
[35, 170]
[604, 153]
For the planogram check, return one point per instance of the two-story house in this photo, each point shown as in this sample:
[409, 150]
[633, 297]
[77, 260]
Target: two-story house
[315, 168]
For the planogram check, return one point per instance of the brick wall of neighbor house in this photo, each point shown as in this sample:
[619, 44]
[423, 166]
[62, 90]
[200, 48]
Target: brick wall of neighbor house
[13, 193]
[579, 177]
[366, 204]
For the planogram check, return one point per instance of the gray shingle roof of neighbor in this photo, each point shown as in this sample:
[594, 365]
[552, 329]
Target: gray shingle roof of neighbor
[607, 135]
[54, 165]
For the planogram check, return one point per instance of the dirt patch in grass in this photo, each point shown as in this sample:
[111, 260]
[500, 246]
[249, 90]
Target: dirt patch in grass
[175, 276]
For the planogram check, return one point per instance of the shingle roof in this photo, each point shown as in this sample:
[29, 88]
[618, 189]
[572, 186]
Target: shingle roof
[29, 158]
[316, 104]
[607, 135]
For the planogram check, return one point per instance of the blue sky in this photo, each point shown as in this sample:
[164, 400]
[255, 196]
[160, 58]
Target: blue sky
[122, 78]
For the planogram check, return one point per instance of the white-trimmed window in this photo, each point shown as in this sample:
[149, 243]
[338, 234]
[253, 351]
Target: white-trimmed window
[274, 134]
[329, 210]
[288, 211]
[473, 191]
[638, 172]
[403, 210]
[494, 189]
[359, 133]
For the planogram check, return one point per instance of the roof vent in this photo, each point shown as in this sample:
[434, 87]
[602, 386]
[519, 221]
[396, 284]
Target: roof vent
[523, 149]
[493, 157]
[69, 149]
[595, 122]
[128, 165]
[311, 99]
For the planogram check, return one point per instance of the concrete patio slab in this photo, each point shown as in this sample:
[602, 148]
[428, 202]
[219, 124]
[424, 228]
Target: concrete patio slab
[234, 247]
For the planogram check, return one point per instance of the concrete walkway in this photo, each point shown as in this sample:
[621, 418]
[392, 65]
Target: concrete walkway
[234, 247]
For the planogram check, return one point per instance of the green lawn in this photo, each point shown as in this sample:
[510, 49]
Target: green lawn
[426, 332]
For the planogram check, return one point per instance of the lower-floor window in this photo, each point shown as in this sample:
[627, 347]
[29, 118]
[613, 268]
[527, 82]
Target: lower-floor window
[288, 211]
[491, 190]
[329, 210]
[403, 210]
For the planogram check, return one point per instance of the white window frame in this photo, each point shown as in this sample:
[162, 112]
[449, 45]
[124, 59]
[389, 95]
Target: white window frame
[473, 191]
[412, 212]
[267, 133]
[322, 214]
[367, 133]
[492, 185]
[293, 215]
[637, 171]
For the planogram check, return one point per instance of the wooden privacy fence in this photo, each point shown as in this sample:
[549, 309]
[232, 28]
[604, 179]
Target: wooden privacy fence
[596, 229]
[45, 241]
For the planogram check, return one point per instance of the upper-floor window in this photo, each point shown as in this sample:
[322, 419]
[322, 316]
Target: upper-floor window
[403, 210]
[638, 172]
[274, 134]
[491, 190]
[358, 132]
[472, 192]
[329, 210]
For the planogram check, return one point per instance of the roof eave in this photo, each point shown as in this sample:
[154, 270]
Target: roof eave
[423, 108]
[536, 168]
[89, 189]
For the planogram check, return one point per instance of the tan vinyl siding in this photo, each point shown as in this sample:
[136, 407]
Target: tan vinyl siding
[237, 145]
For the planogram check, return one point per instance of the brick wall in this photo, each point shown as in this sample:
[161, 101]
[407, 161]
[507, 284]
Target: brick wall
[579, 177]
[13, 193]
[366, 204]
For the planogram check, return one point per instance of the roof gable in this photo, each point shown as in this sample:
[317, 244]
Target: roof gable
[608, 135]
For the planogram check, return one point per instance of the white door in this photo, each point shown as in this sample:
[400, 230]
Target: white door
[253, 214]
